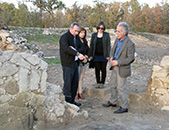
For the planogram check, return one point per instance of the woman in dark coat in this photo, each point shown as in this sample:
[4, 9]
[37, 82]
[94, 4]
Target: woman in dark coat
[82, 64]
[100, 49]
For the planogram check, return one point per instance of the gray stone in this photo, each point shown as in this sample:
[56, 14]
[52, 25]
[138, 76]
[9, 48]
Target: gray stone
[54, 88]
[18, 60]
[34, 80]
[40, 114]
[165, 62]
[164, 100]
[16, 125]
[32, 59]
[72, 106]
[3, 119]
[85, 114]
[4, 108]
[165, 108]
[92, 91]
[1, 82]
[21, 99]
[8, 69]
[23, 80]
[59, 109]
[11, 87]
[5, 98]
[2, 91]
[37, 100]
[9, 40]
[19, 114]
[1, 52]
[6, 56]
[43, 65]
[72, 109]
[51, 100]
[43, 81]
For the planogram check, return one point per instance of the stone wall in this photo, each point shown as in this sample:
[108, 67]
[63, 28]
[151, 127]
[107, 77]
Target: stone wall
[22, 83]
[27, 101]
[159, 83]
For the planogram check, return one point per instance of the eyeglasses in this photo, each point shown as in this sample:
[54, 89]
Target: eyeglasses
[100, 28]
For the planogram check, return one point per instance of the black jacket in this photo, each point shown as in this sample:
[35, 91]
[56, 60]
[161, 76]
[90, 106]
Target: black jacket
[86, 48]
[105, 42]
[67, 54]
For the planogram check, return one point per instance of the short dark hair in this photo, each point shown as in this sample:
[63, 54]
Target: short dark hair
[73, 24]
[83, 29]
[101, 23]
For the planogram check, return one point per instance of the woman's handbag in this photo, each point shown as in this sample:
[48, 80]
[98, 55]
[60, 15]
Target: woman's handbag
[91, 64]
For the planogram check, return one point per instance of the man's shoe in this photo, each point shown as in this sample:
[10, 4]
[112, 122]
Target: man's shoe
[109, 104]
[77, 103]
[121, 110]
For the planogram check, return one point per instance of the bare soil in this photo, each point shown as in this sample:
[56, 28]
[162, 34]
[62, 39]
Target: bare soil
[142, 115]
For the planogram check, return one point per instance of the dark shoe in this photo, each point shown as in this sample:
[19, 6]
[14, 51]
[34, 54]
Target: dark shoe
[109, 104]
[77, 103]
[121, 110]
[81, 96]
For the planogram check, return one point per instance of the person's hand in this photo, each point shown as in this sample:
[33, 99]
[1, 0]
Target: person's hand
[113, 62]
[81, 57]
[107, 58]
[86, 56]
[84, 61]
[91, 57]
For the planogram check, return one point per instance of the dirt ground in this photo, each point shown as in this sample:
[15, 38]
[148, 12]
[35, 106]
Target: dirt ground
[142, 115]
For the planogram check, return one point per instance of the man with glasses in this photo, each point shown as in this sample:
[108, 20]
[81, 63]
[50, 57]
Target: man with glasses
[121, 56]
[70, 52]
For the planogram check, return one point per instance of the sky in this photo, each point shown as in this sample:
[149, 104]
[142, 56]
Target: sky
[69, 3]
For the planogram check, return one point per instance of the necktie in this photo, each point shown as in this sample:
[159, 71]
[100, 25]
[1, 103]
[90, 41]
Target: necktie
[75, 42]
[76, 58]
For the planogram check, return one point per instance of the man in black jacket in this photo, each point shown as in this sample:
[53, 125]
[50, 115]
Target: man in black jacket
[70, 52]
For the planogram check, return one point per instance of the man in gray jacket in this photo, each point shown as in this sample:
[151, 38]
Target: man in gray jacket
[121, 56]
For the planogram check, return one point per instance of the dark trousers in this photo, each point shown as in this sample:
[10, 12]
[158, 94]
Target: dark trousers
[71, 78]
[100, 67]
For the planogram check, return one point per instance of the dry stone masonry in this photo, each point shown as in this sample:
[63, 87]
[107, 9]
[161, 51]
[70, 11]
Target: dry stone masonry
[22, 84]
[159, 86]
[26, 100]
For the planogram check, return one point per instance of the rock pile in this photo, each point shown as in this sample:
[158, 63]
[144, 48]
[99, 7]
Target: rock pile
[6, 41]
[9, 40]
[159, 85]
[58, 31]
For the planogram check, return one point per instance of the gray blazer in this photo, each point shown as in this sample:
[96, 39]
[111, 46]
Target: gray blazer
[126, 57]
[105, 41]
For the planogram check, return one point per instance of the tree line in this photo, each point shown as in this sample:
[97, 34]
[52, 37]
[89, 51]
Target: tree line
[53, 13]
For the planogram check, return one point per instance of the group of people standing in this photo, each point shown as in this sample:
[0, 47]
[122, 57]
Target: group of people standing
[75, 54]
